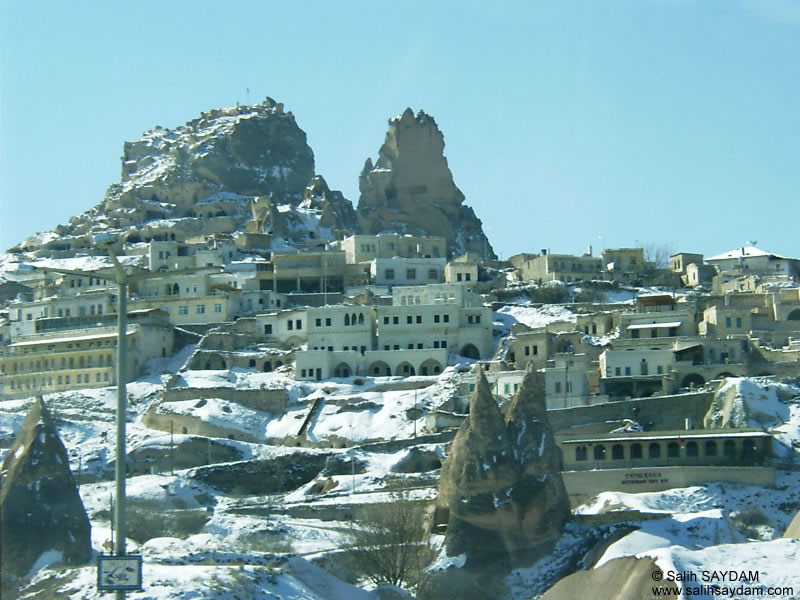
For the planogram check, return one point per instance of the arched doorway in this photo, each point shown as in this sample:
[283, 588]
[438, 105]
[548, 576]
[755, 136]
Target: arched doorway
[794, 315]
[430, 367]
[470, 351]
[405, 369]
[342, 370]
[379, 369]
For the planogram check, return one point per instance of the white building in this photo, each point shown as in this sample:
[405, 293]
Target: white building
[407, 271]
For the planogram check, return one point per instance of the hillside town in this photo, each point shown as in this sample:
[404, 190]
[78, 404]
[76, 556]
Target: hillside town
[291, 363]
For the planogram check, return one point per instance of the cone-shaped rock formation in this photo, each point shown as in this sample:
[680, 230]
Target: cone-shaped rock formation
[501, 482]
[41, 512]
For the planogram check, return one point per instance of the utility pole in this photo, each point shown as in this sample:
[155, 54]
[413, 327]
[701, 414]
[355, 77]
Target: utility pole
[414, 414]
[171, 448]
[120, 469]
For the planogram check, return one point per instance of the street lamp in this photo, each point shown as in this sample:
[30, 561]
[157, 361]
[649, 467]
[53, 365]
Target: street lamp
[122, 280]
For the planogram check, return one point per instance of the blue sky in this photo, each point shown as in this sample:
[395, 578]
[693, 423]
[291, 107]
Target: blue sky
[567, 124]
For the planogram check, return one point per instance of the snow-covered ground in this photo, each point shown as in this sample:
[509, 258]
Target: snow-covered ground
[261, 546]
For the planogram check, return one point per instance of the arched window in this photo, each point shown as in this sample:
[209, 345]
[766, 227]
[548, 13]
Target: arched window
[654, 450]
[346, 320]
[361, 318]
[617, 452]
[580, 453]
[729, 448]
[600, 452]
[636, 451]
[691, 449]
[673, 450]
[711, 448]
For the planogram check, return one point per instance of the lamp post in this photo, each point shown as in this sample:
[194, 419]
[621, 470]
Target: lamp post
[122, 280]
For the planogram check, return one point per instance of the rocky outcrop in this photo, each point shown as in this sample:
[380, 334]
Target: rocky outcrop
[501, 484]
[212, 175]
[410, 188]
[627, 578]
[42, 518]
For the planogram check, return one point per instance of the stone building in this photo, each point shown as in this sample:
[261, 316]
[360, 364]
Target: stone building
[66, 356]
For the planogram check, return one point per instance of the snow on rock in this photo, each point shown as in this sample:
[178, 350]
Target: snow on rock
[751, 402]
[735, 570]
[534, 316]
[694, 531]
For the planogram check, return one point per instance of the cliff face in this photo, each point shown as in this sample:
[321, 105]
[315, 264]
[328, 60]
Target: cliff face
[410, 188]
[212, 175]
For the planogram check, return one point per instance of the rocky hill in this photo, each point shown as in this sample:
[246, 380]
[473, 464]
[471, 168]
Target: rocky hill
[216, 174]
[249, 168]
[410, 188]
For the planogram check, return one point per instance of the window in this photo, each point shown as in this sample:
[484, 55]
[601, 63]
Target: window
[419, 318]
[218, 308]
[411, 346]
[636, 451]
[673, 450]
[411, 274]
[627, 370]
[617, 371]
[298, 324]
[535, 349]
[201, 308]
[443, 344]
[467, 276]
[691, 449]
[558, 387]
[318, 322]
[268, 329]
[580, 453]
[327, 322]
[458, 276]
[727, 322]
[711, 448]
[436, 318]
[446, 318]
[435, 344]
[600, 452]
[409, 319]
[183, 310]
[527, 350]
[395, 320]
[289, 325]
[389, 274]
[433, 274]
[82, 311]
[617, 452]
[419, 346]
[654, 450]
[738, 321]
[385, 320]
